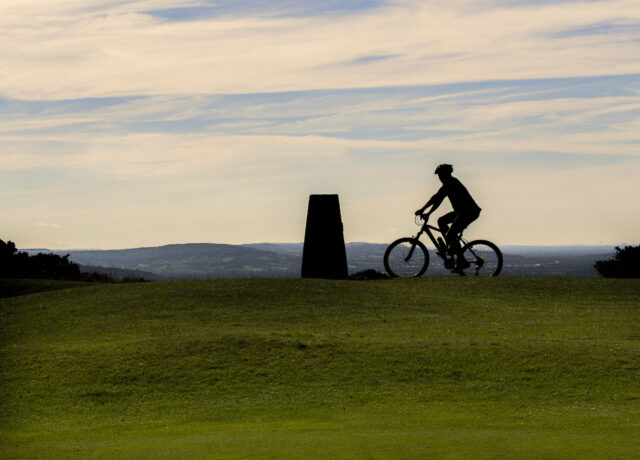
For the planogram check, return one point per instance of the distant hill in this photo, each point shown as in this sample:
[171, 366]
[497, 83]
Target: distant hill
[119, 274]
[277, 260]
[571, 261]
[575, 250]
[360, 256]
[292, 249]
[192, 261]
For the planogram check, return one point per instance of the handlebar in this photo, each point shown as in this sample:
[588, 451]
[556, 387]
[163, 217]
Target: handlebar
[421, 219]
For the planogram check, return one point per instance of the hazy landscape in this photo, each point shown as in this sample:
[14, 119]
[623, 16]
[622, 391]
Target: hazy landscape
[281, 260]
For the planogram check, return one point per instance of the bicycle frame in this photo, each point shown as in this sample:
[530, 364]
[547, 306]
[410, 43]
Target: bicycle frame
[440, 250]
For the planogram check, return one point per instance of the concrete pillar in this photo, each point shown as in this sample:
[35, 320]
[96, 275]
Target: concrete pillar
[324, 254]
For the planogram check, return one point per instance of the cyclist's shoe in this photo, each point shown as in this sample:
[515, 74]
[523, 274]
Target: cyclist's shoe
[461, 266]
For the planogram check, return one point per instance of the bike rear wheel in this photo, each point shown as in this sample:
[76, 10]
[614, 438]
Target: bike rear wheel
[484, 257]
[406, 258]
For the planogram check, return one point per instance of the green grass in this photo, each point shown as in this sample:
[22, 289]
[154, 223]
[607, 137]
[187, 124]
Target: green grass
[425, 368]
[16, 287]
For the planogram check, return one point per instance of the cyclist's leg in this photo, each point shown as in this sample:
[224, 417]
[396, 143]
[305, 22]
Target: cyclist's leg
[444, 221]
[461, 222]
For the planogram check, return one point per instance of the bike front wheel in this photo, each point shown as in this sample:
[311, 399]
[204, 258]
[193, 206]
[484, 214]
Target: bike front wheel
[405, 258]
[484, 258]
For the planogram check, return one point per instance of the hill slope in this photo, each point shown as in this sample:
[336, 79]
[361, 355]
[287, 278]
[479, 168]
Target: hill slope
[277, 260]
[197, 260]
[503, 368]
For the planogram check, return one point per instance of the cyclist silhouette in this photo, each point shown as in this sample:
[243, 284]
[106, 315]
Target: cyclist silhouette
[465, 211]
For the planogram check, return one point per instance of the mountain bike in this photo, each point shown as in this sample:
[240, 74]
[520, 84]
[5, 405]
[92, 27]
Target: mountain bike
[409, 257]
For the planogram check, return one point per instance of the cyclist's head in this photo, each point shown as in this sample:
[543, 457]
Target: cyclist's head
[444, 170]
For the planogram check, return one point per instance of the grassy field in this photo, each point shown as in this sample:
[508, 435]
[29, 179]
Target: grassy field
[422, 368]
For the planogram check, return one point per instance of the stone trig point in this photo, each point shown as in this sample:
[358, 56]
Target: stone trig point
[324, 254]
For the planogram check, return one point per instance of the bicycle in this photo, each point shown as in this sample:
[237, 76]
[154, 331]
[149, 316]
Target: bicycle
[409, 257]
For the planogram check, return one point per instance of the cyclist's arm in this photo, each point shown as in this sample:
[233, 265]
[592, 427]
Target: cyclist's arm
[434, 201]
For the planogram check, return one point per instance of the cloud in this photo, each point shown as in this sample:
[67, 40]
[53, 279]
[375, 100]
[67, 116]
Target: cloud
[63, 50]
[600, 28]
[373, 58]
[157, 135]
[295, 8]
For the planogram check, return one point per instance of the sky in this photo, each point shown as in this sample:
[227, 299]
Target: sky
[129, 123]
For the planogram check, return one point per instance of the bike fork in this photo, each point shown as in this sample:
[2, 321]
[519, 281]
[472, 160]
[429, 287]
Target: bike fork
[413, 247]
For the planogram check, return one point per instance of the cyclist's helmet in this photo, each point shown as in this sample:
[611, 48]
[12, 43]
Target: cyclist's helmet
[444, 169]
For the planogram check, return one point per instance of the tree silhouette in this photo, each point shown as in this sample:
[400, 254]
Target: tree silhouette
[7, 250]
[17, 264]
[625, 264]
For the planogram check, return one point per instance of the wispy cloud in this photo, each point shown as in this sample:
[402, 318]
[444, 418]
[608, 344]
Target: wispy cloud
[63, 50]
[284, 8]
[623, 29]
[580, 115]
[373, 58]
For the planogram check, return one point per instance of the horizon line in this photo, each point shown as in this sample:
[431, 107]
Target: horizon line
[558, 246]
